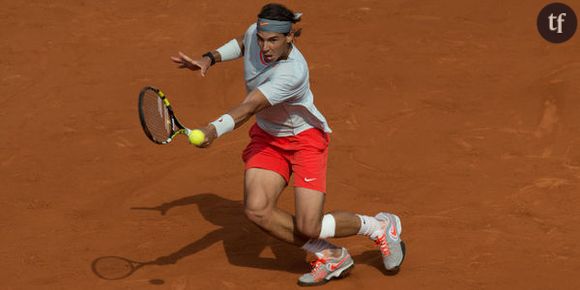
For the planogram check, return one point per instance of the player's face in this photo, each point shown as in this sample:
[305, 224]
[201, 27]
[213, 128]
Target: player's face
[274, 45]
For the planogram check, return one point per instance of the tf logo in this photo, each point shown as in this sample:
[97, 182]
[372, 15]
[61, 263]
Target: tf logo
[557, 22]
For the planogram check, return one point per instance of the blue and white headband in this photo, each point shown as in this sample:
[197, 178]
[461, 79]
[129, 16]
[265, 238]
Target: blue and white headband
[269, 25]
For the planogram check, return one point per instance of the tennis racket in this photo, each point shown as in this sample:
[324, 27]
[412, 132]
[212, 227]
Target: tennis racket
[157, 117]
[115, 268]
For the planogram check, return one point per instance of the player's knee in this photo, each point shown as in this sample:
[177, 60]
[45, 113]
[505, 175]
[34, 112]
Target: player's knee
[310, 230]
[258, 215]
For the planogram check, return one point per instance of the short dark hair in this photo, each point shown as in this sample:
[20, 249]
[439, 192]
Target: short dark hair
[275, 11]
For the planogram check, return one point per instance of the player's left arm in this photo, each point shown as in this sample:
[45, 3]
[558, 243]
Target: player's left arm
[254, 102]
[233, 49]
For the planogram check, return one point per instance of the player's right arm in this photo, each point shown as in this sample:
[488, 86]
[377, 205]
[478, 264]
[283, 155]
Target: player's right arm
[254, 102]
[231, 50]
[287, 81]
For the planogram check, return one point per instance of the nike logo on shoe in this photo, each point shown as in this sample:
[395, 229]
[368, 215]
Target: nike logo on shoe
[309, 179]
[334, 266]
[393, 232]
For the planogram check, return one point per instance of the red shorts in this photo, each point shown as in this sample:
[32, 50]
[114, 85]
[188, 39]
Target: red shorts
[305, 155]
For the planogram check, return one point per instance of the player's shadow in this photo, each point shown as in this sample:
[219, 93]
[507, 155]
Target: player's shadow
[244, 243]
[373, 259]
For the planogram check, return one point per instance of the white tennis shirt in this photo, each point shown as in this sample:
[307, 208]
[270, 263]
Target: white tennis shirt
[285, 83]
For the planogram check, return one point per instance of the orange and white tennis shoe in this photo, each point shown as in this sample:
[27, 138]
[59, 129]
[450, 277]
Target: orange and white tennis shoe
[326, 268]
[389, 242]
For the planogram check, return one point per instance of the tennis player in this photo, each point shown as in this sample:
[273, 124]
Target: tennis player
[290, 136]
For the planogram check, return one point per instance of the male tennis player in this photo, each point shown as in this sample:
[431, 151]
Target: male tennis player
[290, 137]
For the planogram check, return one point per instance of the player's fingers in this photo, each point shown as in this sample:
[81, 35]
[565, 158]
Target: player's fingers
[185, 57]
[176, 59]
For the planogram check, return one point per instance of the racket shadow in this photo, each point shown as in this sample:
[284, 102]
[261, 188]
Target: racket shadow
[243, 241]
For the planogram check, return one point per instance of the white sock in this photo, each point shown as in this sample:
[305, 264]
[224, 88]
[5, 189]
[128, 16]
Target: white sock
[369, 226]
[316, 246]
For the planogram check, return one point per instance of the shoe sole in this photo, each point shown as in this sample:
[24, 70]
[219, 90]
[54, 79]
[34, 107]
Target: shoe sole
[340, 275]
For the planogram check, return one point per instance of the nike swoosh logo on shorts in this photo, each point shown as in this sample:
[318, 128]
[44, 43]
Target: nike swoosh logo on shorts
[309, 179]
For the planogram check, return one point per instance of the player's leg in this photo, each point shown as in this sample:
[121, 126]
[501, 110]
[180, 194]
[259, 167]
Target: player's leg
[309, 205]
[262, 189]
[332, 261]
[311, 223]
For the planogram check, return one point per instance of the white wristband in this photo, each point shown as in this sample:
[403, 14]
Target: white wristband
[224, 124]
[230, 50]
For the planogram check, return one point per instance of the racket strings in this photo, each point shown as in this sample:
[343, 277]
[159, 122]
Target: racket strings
[156, 116]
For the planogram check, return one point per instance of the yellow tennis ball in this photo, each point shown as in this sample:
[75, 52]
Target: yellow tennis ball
[196, 137]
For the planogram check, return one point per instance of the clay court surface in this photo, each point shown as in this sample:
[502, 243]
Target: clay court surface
[456, 115]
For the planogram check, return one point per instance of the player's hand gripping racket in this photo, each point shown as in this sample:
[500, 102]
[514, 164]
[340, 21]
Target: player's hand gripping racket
[157, 117]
